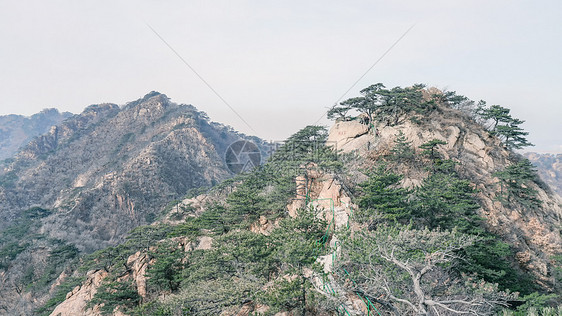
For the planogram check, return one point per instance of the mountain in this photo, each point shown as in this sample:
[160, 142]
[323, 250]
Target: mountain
[17, 130]
[550, 169]
[89, 180]
[416, 206]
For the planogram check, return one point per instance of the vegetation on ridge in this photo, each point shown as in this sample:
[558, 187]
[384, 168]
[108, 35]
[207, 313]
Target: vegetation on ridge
[419, 250]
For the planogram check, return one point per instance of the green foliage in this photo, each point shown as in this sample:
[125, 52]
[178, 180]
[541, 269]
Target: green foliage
[267, 190]
[488, 260]
[496, 113]
[9, 252]
[534, 311]
[339, 112]
[386, 104]
[170, 206]
[36, 213]
[505, 126]
[515, 184]
[246, 203]
[534, 302]
[190, 228]
[402, 149]
[59, 257]
[235, 268]
[513, 135]
[113, 258]
[165, 272]
[381, 194]
[442, 201]
[14, 238]
[121, 294]
[155, 308]
[296, 241]
[8, 180]
[209, 297]
[452, 99]
[303, 147]
[237, 253]
[557, 271]
[217, 220]
[445, 201]
[429, 148]
[286, 295]
[193, 192]
[397, 264]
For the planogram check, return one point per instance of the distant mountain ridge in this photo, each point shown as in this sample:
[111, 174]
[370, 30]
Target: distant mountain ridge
[127, 162]
[95, 176]
[549, 167]
[17, 130]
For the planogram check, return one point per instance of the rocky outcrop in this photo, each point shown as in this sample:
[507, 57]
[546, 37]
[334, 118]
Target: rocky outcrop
[77, 299]
[138, 264]
[324, 192]
[346, 135]
[534, 233]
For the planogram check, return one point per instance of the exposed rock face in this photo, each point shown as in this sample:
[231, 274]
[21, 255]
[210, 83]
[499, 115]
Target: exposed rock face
[533, 233]
[17, 130]
[345, 135]
[78, 298]
[110, 169]
[326, 193]
[549, 167]
[138, 263]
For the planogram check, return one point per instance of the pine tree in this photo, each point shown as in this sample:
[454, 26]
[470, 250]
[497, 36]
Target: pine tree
[515, 184]
[402, 149]
[165, 271]
[496, 113]
[513, 135]
[386, 105]
[445, 201]
[339, 112]
[381, 194]
[429, 148]
[505, 127]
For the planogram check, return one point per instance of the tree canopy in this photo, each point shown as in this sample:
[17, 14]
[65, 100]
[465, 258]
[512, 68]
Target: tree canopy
[381, 104]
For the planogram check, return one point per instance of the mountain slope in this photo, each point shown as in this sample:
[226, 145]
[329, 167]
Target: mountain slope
[17, 130]
[533, 232]
[412, 215]
[98, 175]
[550, 169]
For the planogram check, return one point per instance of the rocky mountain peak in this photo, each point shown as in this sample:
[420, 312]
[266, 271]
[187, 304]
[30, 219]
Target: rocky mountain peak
[153, 98]
[478, 154]
[100, 109]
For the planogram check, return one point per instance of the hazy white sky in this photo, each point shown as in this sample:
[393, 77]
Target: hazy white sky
[281, 64]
